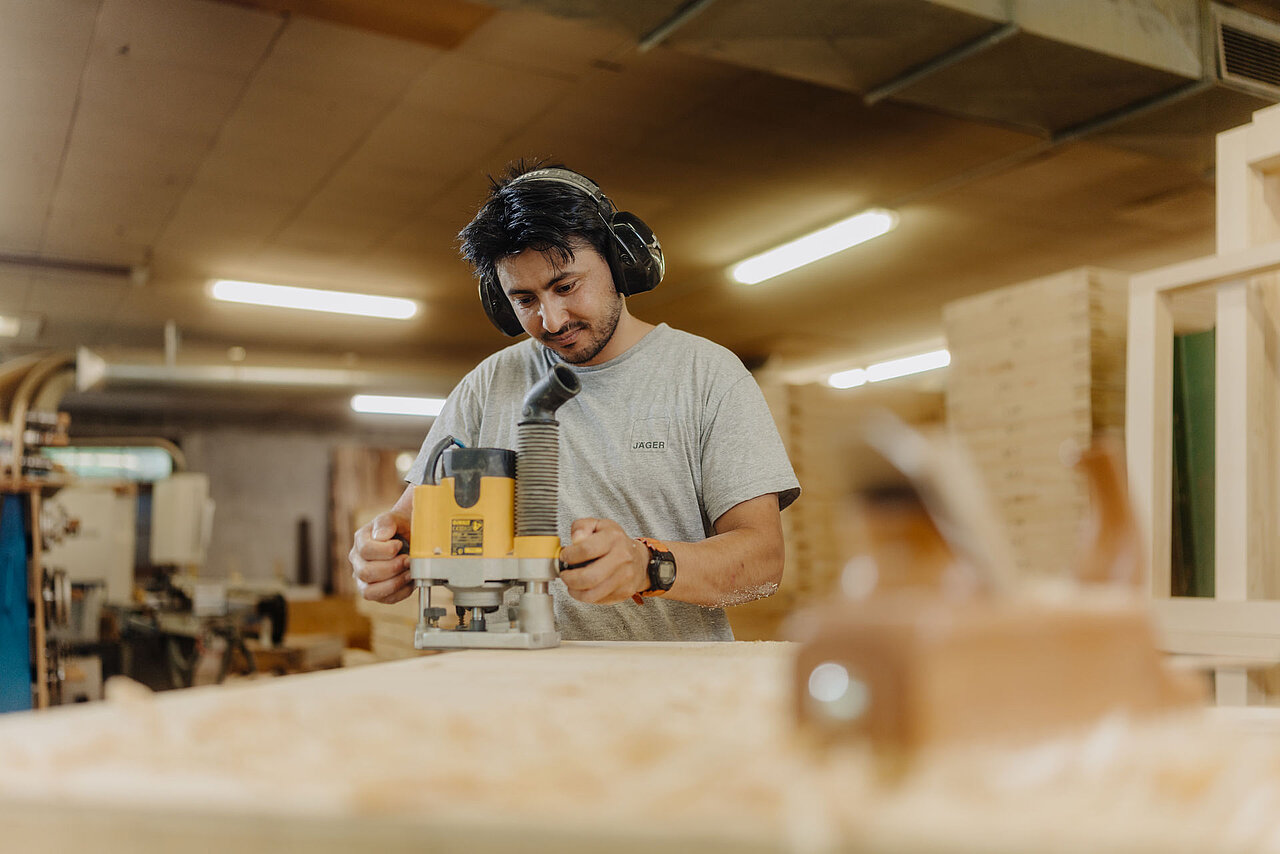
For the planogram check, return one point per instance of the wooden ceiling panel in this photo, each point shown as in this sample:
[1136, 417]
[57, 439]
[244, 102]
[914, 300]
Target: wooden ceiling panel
[485, 93]
[201, 35]
[89, 238]
[75, 299]
[440, 23]
[42, 52]
[528, 41]
[336, 233]
[1081, 178]
[284, 175]
[153, 96]
[20, 229]
[212, 222]
[14, 284]
[221, 140]
[431, 242]
[399, 191]
[342, 63]
[427, 142]
[104, 147]
[293, 129]
[156, 89]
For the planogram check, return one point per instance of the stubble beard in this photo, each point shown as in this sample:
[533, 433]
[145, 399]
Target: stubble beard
[596, 338]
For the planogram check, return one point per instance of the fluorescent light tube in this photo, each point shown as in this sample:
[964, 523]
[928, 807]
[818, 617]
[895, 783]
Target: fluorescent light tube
[821, 243]
[917, 364]
[385, 404]
[313, 299]
[848, 379]
[10, 326]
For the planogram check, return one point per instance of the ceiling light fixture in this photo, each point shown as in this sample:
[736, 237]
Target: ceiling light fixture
[848, 379]
[10, 326]
[314, 299]
[891, 369]
[819, 244]
[909, 365]
[386, 404]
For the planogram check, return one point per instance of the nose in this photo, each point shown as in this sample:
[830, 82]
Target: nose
[554, 315]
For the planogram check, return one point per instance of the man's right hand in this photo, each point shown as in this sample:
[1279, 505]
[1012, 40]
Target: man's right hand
[380, 571]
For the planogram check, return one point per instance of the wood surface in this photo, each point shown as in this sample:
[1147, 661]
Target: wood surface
[595, 747]
[1036, 368]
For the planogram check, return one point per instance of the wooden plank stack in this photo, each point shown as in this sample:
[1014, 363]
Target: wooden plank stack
[818, 425]
[1036, 370]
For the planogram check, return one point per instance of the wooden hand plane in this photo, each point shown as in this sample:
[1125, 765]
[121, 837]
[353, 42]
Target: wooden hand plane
[947, 650]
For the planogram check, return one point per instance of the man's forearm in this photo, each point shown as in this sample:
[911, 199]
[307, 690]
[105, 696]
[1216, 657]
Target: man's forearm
[742, 562]
[727, 569]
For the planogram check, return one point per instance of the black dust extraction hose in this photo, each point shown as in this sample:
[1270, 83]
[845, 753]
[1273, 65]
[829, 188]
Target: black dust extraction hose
[538, 453]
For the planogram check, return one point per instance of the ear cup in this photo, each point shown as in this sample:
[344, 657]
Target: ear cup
[634, 255]
[498, 308]
[640, 263]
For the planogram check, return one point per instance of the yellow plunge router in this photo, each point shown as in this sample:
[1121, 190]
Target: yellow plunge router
[488, 531]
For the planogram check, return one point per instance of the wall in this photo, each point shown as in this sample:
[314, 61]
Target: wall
[264, 475]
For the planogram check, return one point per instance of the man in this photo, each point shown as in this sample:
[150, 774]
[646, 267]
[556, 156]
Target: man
[669, 438]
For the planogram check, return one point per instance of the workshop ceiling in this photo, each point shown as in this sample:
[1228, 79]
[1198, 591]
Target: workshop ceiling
[151, 145]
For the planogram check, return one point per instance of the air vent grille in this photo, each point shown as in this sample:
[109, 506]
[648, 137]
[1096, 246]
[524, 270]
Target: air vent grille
[1251, 57]
[1248, 51]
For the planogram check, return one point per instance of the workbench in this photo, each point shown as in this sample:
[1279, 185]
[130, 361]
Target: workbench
[596, 747]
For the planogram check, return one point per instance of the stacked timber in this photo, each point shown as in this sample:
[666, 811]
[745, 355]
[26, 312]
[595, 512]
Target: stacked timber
[818, 425]
[1037, 370]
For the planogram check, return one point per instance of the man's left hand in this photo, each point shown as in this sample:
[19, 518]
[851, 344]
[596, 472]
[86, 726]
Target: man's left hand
[609, 566]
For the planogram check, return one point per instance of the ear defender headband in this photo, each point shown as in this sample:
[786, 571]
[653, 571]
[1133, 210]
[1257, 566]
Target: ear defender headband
[633, 253]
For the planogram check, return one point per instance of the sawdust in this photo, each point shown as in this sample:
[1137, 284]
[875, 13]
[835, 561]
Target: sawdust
[699, 737]
[749, 594]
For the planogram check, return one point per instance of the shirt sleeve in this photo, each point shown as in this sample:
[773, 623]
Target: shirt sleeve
[742, 454]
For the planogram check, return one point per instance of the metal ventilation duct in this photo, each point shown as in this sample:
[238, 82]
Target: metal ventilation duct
[1248, 51]
[1161, 76]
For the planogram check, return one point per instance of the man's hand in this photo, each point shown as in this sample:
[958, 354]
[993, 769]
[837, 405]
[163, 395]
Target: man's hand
[380, 571]
[609, 565]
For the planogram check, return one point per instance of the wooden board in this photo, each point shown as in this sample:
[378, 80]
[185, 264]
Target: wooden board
[593, 747]
[1035, 369]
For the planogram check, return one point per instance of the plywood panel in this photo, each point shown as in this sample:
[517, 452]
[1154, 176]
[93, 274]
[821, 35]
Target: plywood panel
[1036, 370]
[159, 81]
[484, 92]
[566, 47]
[42, 53]
[572, 744]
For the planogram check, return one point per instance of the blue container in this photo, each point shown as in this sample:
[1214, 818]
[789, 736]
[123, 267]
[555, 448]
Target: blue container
[15, 622]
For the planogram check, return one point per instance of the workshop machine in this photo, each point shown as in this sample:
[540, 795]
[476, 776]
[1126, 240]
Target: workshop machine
[488, 531]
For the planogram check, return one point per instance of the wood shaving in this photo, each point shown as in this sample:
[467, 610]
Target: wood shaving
[687, 737]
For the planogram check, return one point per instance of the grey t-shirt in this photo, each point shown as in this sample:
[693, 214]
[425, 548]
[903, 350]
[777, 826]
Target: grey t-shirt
[662, 440]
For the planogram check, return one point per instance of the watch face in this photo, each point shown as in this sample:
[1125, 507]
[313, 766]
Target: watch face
[666, 571]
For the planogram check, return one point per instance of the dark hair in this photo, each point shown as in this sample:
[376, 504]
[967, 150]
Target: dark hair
[544, 216]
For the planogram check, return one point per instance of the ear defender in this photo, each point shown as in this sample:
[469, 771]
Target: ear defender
[634, 254]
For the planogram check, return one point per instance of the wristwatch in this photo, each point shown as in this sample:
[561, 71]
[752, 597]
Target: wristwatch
[662, 567]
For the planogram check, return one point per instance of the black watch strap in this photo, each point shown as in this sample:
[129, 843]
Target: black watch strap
[661, 568]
